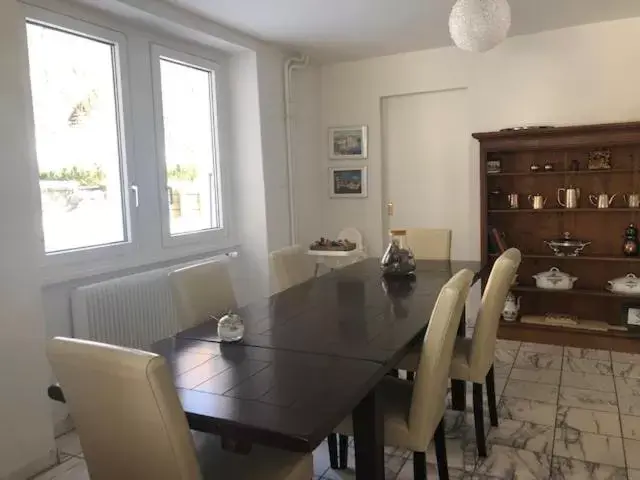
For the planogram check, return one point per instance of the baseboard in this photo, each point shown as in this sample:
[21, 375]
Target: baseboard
[35, 467]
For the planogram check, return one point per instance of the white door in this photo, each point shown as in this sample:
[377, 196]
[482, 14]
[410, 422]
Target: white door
[427, 165]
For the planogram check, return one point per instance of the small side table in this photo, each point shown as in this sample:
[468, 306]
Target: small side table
[321, 255]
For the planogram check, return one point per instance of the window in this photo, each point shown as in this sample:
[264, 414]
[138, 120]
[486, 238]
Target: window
[75, 93]
[127, 144]
[187, 137]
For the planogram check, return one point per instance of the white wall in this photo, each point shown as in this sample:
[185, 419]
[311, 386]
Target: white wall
[580, 75]
[26, 435]
[307, 143]
[271, 94]
[249, 185]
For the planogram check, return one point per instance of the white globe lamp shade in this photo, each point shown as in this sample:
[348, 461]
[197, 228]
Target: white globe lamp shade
[479, 25]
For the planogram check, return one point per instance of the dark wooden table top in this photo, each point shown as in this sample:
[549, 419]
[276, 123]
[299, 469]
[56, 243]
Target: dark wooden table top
[349, 313]
[280, 398]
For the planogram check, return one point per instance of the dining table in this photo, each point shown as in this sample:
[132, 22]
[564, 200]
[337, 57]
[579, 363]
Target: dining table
[310, 356]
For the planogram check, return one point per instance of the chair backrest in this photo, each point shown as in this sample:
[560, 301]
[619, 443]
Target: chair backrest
[430, 385]
[353, 235]
[202, 290]
[483, 342]
[430, 243]
[291, 266]
[126, 411]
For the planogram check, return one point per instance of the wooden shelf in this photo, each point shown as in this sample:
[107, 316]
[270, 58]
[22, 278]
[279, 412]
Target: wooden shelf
[564, 210]
[526, 228]
[596, 258]
[609, 340]
[574, 291]
[560, 172]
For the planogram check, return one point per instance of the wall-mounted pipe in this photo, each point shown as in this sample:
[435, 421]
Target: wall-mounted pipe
[293, 63]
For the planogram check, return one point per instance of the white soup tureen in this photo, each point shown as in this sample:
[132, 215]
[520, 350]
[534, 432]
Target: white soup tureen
[554, 279]
[629, 284]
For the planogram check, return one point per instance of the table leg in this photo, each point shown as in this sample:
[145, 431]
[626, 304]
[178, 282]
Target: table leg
[458, 387]
[315, 272]
[369, 439]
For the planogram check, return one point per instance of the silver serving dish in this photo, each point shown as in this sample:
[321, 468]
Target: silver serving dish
[567, 246]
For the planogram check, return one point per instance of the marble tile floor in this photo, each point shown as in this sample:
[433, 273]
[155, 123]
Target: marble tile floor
[565, 414]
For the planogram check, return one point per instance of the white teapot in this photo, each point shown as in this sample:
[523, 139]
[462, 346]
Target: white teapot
[511, 308]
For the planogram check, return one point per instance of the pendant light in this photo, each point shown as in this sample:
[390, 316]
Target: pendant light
[479, 25]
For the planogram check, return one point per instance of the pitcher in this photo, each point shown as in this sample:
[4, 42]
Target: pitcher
[511, 308]
[571, 197]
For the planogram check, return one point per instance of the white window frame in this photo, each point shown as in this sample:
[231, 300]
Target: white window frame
[222, 236]
[109, 251]
[141, 165]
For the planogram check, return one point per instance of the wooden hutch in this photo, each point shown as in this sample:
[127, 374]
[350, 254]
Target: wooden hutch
[567, 150]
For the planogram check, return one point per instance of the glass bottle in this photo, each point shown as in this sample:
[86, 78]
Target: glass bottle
[630, 245]
[398, 258]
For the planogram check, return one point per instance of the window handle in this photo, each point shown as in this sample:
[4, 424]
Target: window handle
[136, 192]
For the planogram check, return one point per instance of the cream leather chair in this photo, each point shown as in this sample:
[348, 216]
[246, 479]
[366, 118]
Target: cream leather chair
[430, 243]
[414, 412]
[132, 427]
[473, 357]
[202, 290]
[291, 266]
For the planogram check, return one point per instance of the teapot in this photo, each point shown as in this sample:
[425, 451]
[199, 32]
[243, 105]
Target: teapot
[601, 200]
[537, 201]
[511, 308]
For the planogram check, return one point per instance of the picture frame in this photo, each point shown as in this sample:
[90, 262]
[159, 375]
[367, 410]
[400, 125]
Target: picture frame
[599, 159]
[348, 143]
[631, 314]
[494, 165]
[348, 182]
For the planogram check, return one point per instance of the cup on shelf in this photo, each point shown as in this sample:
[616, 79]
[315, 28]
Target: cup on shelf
[632, 199]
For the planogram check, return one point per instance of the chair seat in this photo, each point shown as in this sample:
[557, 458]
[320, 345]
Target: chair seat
[261, 462]
[460, 368]
[395, 404]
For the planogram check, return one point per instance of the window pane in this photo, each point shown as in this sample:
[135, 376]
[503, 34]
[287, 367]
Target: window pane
[77, 139]
[188, 115]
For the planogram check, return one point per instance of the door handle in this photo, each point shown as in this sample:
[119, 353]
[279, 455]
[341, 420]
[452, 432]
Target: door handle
[136, 193]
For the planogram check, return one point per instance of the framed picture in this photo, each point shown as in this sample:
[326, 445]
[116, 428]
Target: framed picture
[348, 182]
[348, 143]
[631, 314]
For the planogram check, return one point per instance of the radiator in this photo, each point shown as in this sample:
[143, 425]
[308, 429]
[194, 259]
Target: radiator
[133, 311]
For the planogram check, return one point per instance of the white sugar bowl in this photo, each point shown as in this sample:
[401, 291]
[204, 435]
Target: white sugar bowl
[230, 328]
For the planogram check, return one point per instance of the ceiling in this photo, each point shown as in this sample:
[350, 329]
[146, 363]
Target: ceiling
[334, 30]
